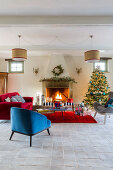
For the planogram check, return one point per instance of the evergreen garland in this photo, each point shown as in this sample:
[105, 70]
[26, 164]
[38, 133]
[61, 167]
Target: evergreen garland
[58, 70]
[59, 79]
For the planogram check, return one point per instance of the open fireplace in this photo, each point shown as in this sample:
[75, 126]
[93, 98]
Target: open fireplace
[57, 90]
[61, 94]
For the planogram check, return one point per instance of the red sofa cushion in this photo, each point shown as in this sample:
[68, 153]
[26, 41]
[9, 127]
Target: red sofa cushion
[4, 96]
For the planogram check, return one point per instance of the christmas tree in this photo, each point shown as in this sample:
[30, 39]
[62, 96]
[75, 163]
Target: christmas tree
[98, 89]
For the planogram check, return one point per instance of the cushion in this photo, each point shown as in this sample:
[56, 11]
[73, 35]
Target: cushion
[110, 105]
[19, 98]
[4, 96]
[7, 99]
[13, 99]
[110, 101]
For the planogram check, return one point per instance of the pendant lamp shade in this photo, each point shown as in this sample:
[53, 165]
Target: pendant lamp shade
[92, 56]
[19, 54]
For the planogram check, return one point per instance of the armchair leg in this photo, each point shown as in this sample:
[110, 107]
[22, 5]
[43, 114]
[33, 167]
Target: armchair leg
[105, 118]
[30, 141]
[48, 131]
[11, 135]
[95, 114]
[109, 115]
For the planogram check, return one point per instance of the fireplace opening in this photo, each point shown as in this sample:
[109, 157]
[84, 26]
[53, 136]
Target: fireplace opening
[57, 94]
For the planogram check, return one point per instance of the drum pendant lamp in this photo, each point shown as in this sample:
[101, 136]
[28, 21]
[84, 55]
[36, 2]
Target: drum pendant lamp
[92, 56]
[19, 54]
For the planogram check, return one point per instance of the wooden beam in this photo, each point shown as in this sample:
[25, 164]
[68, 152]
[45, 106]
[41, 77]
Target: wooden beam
[105, 58]
[8, 59]
[34, 20]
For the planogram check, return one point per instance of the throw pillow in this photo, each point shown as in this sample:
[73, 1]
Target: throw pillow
[13, 99]
[110, 101]
[19, 98]
[8, 99]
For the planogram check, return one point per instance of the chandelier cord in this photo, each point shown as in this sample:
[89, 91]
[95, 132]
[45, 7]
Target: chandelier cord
[53, 42]
[38, 44]
[73, 44]
[19, 36]
[91, 42]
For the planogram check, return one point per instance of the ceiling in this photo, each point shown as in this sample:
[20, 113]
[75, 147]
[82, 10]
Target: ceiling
[48, 39]
[45, 38]
[56, 7]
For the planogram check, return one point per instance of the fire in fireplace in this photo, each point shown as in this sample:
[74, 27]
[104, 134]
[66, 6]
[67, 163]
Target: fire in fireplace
[61, 94]
[58, 96]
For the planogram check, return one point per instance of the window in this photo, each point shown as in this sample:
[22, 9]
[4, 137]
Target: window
[102, 64]
[16, 67]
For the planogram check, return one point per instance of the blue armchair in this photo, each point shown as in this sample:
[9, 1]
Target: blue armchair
[28, 122]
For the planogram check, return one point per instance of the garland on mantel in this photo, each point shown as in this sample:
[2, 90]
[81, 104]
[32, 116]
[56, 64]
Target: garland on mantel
[58, 79]
[57, 71]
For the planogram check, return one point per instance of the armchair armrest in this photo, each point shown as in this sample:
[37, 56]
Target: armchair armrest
[39, 122]
[95, 105]
[28, 99]
[38, 116]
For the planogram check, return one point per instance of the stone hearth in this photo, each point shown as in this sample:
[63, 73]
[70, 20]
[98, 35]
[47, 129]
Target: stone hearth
[66, 88]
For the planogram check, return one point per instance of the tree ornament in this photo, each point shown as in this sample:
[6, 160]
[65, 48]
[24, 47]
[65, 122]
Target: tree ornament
[98, 89]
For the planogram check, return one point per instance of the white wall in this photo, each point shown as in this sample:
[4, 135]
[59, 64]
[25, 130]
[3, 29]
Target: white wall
[3, 65]
[28, 84]
[82, 79]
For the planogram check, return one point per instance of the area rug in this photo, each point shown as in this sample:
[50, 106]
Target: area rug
[69, 117]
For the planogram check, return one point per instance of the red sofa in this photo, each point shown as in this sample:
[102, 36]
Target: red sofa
[6, 106]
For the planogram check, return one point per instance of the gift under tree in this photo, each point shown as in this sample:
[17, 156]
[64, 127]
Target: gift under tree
[98, 89]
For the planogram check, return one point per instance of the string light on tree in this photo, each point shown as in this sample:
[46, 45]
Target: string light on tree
[98, 89]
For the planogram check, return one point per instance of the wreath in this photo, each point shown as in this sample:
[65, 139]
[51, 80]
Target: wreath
[57, 70]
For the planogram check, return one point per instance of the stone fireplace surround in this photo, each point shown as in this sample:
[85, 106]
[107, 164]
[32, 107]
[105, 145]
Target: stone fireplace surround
[57, 84]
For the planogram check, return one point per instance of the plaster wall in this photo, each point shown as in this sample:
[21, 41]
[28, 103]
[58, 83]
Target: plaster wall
[28, 84]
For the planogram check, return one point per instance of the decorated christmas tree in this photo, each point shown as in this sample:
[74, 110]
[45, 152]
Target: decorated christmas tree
[98, 89]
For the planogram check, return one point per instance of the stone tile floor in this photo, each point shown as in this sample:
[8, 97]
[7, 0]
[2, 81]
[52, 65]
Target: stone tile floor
[70, 147]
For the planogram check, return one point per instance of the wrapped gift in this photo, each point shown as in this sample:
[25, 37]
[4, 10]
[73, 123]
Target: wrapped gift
[79, 110]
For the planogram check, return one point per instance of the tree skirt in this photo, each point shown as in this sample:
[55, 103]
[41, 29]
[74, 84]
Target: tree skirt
[69, 117]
